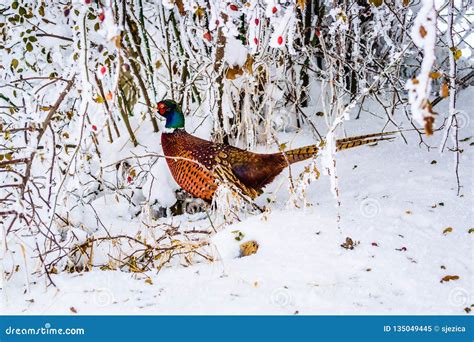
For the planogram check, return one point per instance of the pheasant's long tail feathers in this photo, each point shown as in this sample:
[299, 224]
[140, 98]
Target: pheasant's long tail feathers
[307, 152]
[346, 143]
[299, 154]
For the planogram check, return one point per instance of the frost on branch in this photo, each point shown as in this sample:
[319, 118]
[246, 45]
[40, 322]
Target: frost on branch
[419, 88]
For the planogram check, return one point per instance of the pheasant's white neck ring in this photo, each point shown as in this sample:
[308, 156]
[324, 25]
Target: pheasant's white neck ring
[168, 130]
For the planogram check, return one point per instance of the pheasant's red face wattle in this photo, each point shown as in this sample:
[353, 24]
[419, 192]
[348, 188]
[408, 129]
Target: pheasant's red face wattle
[162, 108]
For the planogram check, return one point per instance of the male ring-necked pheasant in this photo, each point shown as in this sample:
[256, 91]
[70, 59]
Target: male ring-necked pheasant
[198, 165]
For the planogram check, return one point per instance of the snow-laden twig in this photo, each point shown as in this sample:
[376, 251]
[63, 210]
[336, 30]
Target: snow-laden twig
[452, 126]
[423, 34]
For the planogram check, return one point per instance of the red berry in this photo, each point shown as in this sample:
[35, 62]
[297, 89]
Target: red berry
[103, 70]
[88, 1]
[207, 36]
[101, 17]
[274, 10]
[233, 7]
[217, 22]
[94, 127]
[318, 33]
[257, 21]
[280, 40]
[255, 40]
[129, 179]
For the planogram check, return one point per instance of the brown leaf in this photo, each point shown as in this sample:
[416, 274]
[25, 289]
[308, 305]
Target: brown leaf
[423, 32]
[248, 248]
[73, 309]
[376, 3]
[234, 72]
[449, 278]
[149, 281]
[444, 92]
[248, 66]
[429, 125]
[118, 41]
[435, 75]
[301, 3]
[447, 230]
[200, 12]
[180, 5]
[471, 230]
[349, 244]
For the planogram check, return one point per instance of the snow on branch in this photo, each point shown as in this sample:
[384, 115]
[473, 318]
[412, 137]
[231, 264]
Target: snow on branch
[419, 88]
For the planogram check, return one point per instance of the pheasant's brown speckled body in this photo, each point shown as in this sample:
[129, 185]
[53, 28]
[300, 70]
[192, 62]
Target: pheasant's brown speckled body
[198, 164]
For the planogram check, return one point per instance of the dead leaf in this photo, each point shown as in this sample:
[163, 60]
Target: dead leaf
[149, 281]
[435, 75]
[429, 120]
[444, 92]
[301, 3]
[423, 32]
[248, 248]
[200, 12]
[471, 230]
[234, 72]
[248, 66]
[447, 230]
[376, 3]
[349, 244]
[456, 52]
[449, 278]
[73, 309]
[180, 5]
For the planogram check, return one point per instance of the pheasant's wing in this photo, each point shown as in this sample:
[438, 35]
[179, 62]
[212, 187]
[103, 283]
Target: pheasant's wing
[257, 170]
[226, 174]
[217, 160]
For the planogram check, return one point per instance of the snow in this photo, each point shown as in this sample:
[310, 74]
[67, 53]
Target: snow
[235, 52]
[395, 205]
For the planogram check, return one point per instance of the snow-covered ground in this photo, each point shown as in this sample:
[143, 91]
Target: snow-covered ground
[397, 200]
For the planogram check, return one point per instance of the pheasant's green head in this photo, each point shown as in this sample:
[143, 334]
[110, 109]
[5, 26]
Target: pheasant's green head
[170, 110]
